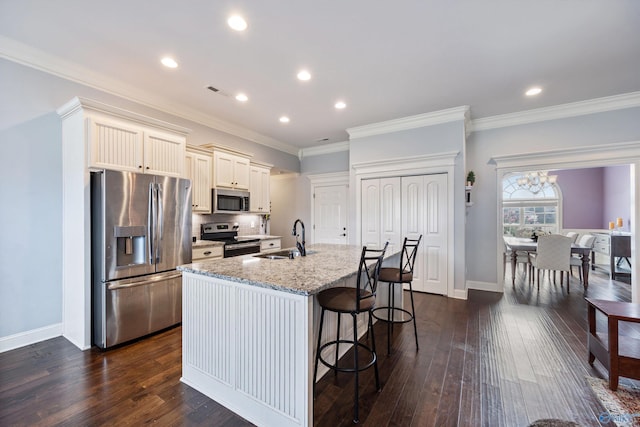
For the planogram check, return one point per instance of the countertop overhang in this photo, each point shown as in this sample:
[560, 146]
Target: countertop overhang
[324, 268]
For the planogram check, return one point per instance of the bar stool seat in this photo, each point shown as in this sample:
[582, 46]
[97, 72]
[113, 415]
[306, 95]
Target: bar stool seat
[353, 301]
[400, 276]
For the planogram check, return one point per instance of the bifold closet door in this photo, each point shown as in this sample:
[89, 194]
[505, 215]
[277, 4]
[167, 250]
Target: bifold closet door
[424, 212]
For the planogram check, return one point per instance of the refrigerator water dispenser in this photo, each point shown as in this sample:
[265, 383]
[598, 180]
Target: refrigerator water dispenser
[130, 245]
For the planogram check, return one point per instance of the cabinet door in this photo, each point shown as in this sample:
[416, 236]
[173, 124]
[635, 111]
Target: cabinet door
[164, 154]
[259, 189]
[201, 188]
[114, 145]
[265, 189]
[223, 170]
[241, 169]
[255, 189]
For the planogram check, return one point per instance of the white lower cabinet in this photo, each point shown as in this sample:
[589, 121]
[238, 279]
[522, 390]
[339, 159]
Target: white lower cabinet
[207, 253]
[270, 245]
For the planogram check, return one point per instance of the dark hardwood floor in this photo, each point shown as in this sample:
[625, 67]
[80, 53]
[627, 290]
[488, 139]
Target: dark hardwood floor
[493, 360]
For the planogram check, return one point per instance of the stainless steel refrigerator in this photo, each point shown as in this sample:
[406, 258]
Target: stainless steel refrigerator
[141, 230]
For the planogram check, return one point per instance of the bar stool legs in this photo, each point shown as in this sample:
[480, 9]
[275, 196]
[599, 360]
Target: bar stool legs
[356, 365]
[391, 308]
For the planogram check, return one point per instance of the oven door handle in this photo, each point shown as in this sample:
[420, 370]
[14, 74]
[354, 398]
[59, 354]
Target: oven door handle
[242, 245]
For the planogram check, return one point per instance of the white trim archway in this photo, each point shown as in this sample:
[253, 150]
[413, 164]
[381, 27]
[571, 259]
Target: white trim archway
[626, 153]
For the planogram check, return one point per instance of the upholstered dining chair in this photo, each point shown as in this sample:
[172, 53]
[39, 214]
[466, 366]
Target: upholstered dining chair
[553, 254]
[521, 258]
[573, 236]
[576, 261]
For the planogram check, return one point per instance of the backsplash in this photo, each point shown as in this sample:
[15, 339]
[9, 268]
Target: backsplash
[245, 222]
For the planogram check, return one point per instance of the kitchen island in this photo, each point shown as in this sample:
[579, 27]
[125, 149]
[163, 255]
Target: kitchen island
[248, 328]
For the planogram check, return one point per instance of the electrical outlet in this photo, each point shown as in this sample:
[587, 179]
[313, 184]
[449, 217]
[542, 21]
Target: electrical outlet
[253, 224]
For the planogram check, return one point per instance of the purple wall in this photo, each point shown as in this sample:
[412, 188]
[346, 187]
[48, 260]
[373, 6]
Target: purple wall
[592, 197]
[617, 194]
[582, 197]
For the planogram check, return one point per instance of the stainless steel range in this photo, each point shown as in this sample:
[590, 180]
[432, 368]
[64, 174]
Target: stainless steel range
[234, 245]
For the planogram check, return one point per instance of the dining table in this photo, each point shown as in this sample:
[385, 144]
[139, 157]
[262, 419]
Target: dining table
[523, 244]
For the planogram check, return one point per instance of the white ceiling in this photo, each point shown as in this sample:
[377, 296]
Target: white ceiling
[385, 59]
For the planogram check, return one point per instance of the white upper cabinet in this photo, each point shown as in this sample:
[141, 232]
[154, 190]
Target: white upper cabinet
[198, 170]
[131, 146]
[230, 171]
[259, 188]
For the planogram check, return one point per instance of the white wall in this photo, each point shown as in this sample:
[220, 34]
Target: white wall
[583, 131]
[289, 201]
[30, 225]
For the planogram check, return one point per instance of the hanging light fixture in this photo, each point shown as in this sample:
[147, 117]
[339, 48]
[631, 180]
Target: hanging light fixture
[536, 181]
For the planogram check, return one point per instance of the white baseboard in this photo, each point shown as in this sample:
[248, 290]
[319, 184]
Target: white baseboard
[22, 339]
[459, 294]
[484, 286]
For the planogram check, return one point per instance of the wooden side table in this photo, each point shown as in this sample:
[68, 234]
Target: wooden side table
[620, 355]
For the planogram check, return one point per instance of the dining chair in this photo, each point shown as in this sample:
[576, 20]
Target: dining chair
[576, 261]
[573, 236]
[521, 258]
[553, 254]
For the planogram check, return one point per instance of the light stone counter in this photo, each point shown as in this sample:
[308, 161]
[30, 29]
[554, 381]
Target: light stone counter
[206, 244]
[324, 267]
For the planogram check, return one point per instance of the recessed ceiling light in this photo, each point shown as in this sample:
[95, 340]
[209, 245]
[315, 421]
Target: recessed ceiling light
[284, 119]
[237, 22]
[340, 105]
[169, 62]
[304, 75]
[533, 91]
[242, 97]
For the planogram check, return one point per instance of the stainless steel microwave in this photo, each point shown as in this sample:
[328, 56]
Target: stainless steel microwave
[230, 201]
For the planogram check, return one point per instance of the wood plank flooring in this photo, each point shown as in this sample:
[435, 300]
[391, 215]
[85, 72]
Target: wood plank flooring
[493, 360]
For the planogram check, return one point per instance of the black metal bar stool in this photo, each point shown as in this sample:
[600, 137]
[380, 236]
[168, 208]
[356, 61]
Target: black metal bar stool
[353, 301]
[392, 276]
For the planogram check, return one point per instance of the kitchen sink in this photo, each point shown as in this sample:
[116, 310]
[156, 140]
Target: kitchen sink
[283, 254]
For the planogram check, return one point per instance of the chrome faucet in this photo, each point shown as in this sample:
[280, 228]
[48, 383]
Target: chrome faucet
[300, 246]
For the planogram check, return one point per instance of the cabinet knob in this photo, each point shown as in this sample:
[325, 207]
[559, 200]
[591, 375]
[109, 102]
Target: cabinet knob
[148, 167]
[344, 234]
[139, 166]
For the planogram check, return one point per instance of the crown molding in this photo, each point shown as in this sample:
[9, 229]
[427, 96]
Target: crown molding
[616, 152]
[573, 109]
[335, 147]
[80, 103]
[411, 122]
[37, 59]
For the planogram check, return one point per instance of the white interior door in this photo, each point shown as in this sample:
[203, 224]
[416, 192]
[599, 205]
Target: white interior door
[390, 211]
[330, 214]
[370, 218]
[435, 246]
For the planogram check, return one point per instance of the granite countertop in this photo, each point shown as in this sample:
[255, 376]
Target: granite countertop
[206, 244]
[262, 236]
[325, 266]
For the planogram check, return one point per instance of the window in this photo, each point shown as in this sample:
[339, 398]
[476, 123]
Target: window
[525, 210]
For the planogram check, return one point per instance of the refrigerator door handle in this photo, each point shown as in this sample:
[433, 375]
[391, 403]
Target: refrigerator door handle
[152, 209]
[159, 223]
[132, 283]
